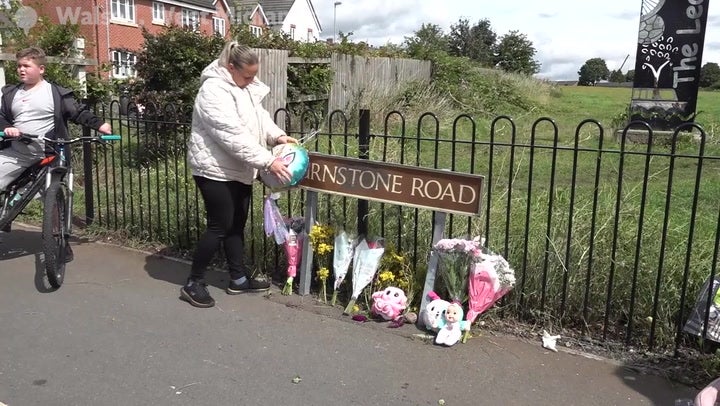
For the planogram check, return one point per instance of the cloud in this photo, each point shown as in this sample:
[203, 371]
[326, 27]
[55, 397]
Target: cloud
[625, 15]
[377, 21]
[563, 35]
[713, 20]
[712, 44]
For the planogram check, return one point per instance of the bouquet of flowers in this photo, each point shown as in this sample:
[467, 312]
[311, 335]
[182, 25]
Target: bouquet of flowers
[287, 232]
[293, 253]
[321, 240]
[274, 221]
[342, 257]
[455, 257]
[491, 278]
[696, 321]
[365, 263]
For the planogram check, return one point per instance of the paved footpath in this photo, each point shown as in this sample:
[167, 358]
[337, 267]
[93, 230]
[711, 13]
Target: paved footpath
[116, 333]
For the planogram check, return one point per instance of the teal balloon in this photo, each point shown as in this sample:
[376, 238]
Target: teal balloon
[296, 158]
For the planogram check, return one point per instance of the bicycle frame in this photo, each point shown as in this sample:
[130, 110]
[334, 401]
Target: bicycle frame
[63, 170]
[30, 179]
[45, 170]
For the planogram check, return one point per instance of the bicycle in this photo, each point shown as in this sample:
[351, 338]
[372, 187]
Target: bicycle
[55, 174]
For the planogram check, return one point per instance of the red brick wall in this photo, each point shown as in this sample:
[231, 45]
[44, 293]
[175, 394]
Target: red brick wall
[101, 37]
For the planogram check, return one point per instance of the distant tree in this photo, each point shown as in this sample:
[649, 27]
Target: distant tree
[426, 42]
[593, 71]
[617, 76]
[630, 75]
[515, 53]
[476, 42]
[459, 38]
[709, 74]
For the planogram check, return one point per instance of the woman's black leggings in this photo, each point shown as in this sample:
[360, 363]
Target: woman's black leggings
[227, 205]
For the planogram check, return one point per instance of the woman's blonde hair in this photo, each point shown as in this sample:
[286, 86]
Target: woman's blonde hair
[237, 55]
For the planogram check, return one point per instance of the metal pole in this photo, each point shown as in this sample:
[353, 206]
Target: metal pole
[364, 153]
[307, 255]
[337, 3]
[88, 178]
[438, 231]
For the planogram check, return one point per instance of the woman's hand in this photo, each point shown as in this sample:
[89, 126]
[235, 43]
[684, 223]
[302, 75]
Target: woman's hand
[285, 139]
[280, 171]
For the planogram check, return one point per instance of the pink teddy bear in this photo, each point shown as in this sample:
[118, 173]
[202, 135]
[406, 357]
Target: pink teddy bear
[389, 303]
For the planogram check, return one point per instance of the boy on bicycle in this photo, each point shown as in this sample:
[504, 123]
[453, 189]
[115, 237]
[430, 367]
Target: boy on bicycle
[36, 106]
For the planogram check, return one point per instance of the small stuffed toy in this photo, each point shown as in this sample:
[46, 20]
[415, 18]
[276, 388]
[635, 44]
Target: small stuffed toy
[434, 316]
[450, 334]
[389, 303]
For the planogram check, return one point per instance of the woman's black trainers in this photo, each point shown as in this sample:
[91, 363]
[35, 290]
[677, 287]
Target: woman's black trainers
[196, 293]
[250, 285]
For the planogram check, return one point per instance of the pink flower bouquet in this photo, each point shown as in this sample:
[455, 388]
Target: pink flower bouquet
[491, 278]
[293, 253]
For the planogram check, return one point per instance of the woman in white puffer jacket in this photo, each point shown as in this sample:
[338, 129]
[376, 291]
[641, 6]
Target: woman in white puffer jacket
[229, 141]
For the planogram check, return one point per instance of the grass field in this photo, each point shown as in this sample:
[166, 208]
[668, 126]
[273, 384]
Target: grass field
[576, 103]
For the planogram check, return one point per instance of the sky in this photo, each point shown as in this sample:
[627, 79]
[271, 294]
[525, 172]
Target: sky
[564, 34]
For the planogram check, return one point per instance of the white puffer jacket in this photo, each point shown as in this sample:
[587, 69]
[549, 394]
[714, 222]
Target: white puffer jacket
[231, 131]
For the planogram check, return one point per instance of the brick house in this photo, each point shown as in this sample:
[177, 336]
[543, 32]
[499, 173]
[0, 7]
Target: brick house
[297, 18]
[112, 28]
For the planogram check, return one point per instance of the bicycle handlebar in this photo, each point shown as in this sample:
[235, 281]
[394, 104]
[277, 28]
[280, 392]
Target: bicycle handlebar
[104, 137]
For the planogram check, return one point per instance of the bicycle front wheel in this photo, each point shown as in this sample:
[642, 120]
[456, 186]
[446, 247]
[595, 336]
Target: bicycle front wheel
[54, 233]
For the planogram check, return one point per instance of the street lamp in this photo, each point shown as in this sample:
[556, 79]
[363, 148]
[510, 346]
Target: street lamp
[337, 3]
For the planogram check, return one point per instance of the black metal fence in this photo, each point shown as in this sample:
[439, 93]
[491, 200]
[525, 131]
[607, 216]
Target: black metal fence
[610, 237]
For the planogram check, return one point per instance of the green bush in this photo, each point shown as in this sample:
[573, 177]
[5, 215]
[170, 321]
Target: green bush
[170, 64]
[489, 92]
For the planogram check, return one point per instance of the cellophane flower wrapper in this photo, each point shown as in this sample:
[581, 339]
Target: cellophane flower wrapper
[455, 257]
[342, 257]
[695, 323]
[293, 253]
[366, 262]
[274, 221]
[491, 278]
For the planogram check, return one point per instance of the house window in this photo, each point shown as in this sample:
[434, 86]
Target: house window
[123, 10]
[256, 31]
[309, 34]
[123, 64]
[292, 31]
[191, 19]
[158, 12]
[219, 26]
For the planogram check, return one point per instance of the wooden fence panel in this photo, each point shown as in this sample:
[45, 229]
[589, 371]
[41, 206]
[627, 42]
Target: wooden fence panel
[273, 72]
[358, 80]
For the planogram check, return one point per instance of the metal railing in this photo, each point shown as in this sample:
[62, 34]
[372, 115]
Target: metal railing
[610, 237]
